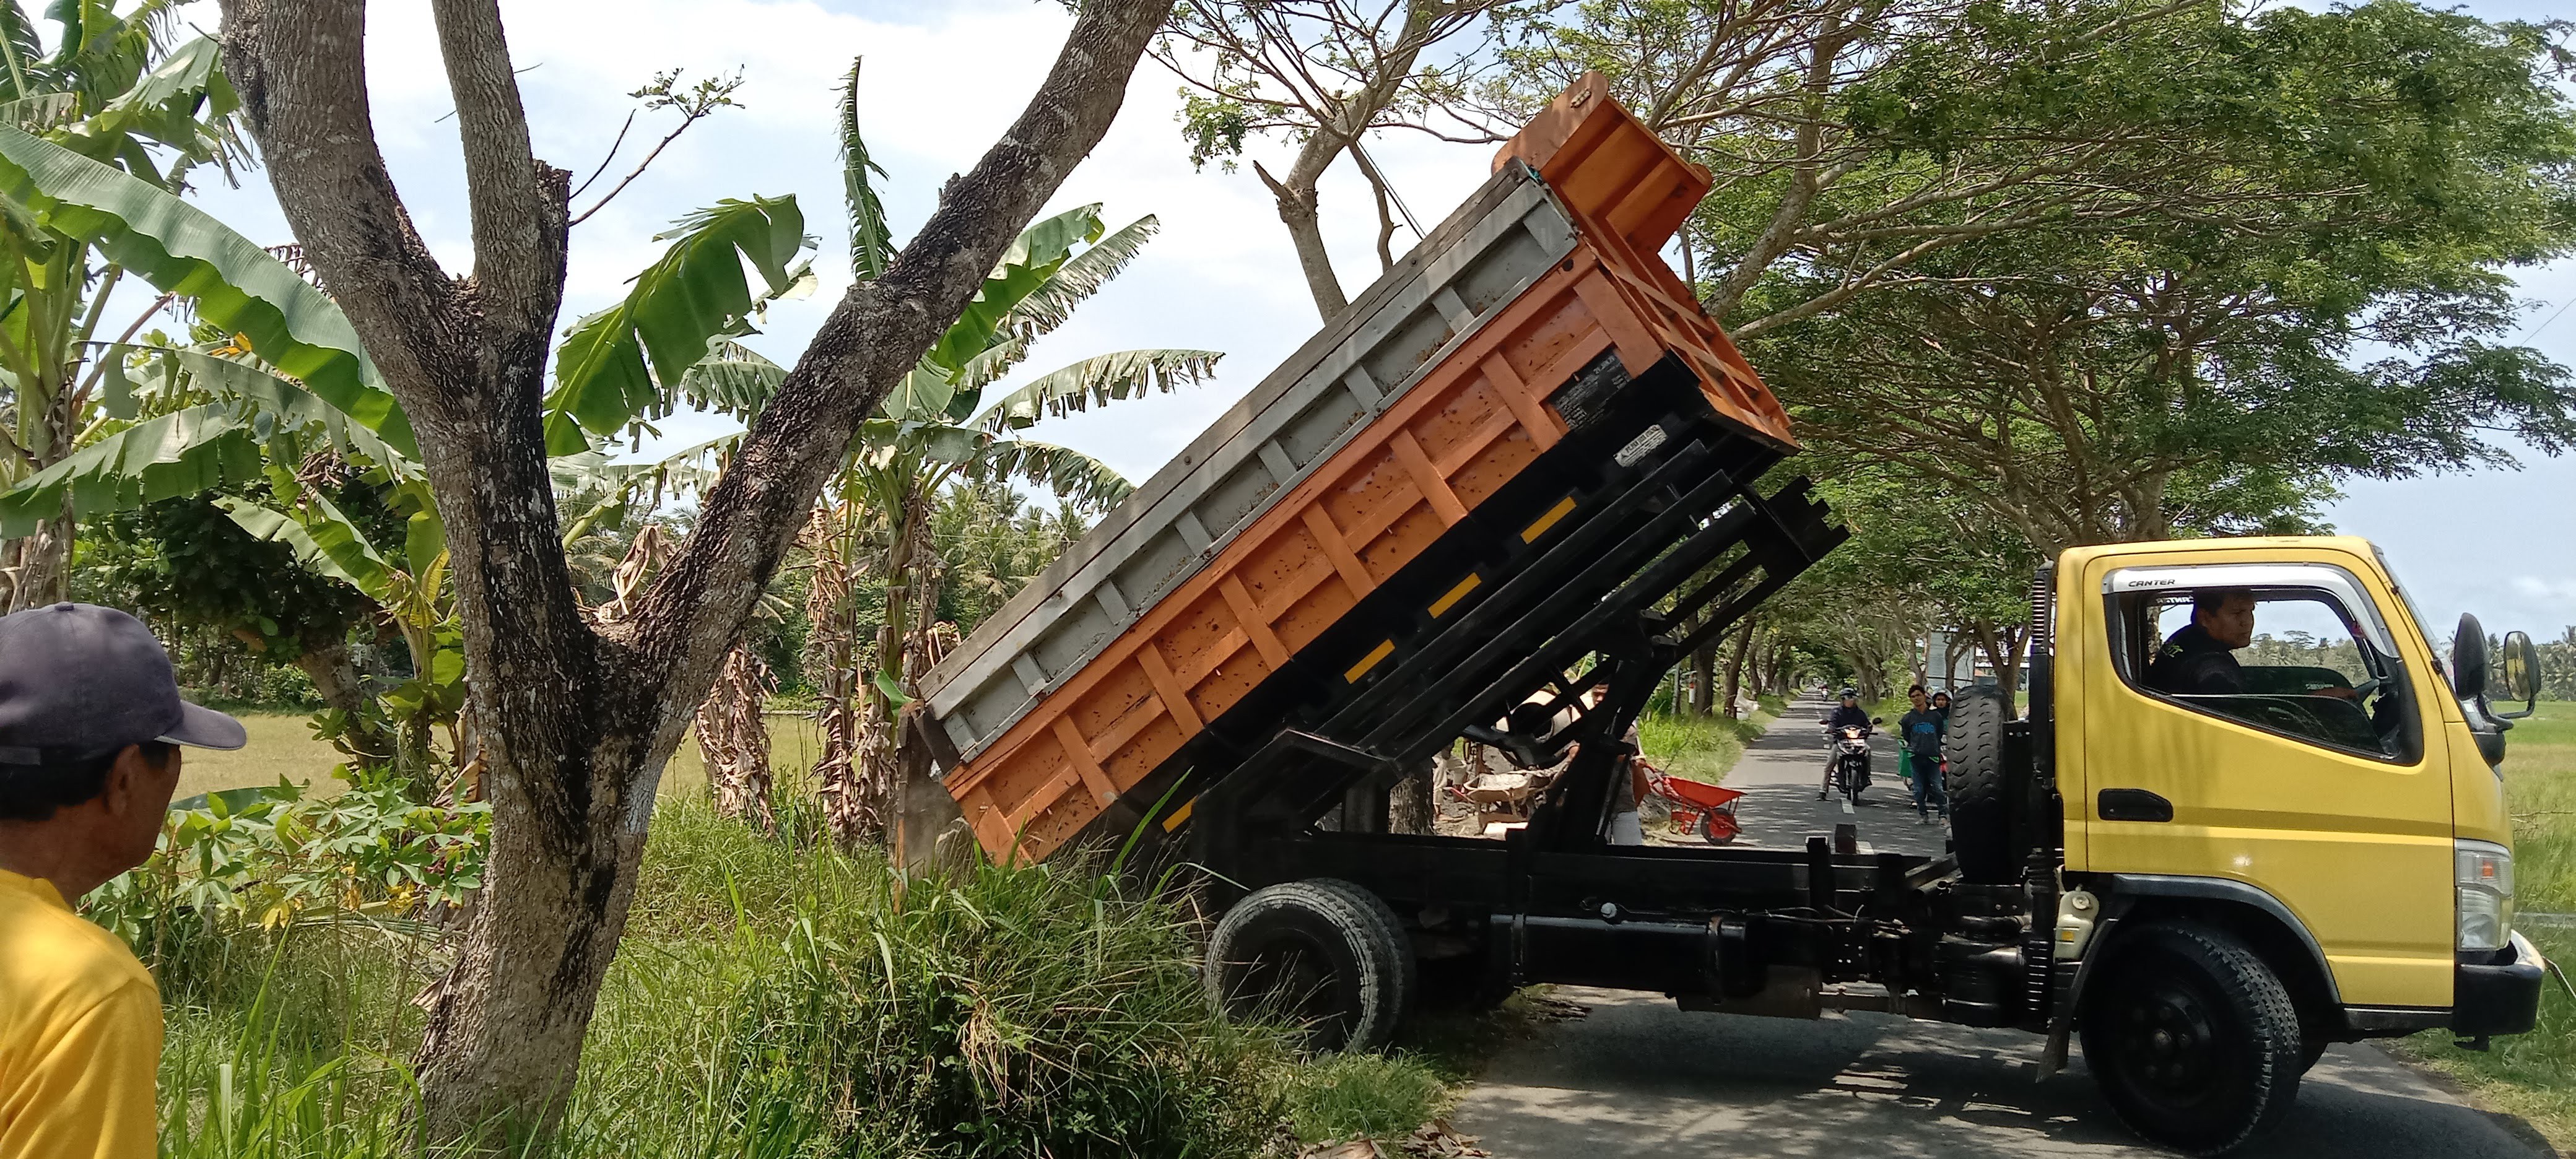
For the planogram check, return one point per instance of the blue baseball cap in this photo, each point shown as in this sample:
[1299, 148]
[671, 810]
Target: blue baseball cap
[78, 682]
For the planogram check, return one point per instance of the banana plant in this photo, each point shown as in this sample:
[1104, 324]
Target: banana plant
[411, 589]
[117, 95]
[938, 428]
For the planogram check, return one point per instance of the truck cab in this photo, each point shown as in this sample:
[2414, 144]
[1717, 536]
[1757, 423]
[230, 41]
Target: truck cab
[2326, 800]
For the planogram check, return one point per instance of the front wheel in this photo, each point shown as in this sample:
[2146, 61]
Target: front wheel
[2194, 1041]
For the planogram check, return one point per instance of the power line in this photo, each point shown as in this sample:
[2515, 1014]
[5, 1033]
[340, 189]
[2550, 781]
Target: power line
[2544, 323]
[1370, 163]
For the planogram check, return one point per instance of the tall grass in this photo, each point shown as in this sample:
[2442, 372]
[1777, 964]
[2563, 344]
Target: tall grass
[1033, 1010]
[2534, 1075]
[1701, 748]
[2540, 789]
[776, 999]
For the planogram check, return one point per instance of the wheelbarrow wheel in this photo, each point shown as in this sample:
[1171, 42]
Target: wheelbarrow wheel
[1719, 828]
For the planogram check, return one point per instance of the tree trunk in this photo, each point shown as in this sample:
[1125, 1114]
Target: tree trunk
[1734, 686]
[1703, 697]
[1412, 806]
[929, 837]
[831, 661]
[575, 724]
[40, 563]
[1297, 211]
[733, 739]
[336, 680]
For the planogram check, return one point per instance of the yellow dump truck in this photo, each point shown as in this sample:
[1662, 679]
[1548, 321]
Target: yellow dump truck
[1503, 494]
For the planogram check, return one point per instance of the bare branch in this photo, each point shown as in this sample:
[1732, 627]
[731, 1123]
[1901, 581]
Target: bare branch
[694, 104]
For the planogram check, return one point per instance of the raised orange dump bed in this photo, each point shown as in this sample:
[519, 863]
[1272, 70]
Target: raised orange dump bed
[1224, 576]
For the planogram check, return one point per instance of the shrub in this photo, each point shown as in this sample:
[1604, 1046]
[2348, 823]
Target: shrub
[273, 858]
[820, 997]
[1353, 1096]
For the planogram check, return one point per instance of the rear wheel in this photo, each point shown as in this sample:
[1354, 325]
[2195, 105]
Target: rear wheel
[2193, 1039]
[1325, 955]
[1980, 787]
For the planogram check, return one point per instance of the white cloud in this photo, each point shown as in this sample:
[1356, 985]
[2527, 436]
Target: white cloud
[2560, 592]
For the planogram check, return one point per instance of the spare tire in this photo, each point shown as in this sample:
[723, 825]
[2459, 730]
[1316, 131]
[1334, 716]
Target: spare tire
[1325, 955]
[1981, 787]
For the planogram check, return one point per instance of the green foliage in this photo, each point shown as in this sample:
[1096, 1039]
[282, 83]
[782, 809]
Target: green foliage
[988, 544]
[617, 367]
[231, 282]
[184, 560]
[871, 241]
[1362, 1096]
[215, 422]
[774, 999]
[1699, 748]
[272, 858]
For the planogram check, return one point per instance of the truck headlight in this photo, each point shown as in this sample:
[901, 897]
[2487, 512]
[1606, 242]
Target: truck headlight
[2485, 883]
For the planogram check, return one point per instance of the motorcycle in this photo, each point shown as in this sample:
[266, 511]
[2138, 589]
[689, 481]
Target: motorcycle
[1847, 763]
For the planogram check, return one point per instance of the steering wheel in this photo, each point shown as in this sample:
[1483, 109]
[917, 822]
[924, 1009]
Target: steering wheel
[2363, 690]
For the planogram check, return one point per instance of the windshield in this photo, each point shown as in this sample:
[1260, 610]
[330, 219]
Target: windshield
[2423, 626]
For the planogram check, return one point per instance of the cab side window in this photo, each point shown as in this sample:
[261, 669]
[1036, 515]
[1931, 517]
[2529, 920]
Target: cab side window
[2286, 660]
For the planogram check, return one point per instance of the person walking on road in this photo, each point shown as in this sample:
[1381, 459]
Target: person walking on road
[1922, 730]
[90, 724]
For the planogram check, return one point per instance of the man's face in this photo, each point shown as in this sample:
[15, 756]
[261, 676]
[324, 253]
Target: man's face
[138, 803]
[1851, 702]
[2232, 625]
[1921, 701]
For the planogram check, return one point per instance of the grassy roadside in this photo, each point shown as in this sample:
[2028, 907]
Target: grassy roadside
[1702, 748]
[2533, 1075]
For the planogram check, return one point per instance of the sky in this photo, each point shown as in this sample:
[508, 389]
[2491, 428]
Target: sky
[939, 83]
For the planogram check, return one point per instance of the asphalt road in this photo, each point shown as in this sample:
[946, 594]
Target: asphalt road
[1638, 1077]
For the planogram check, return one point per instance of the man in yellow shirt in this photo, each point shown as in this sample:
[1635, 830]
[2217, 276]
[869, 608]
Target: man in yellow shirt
[90, 721]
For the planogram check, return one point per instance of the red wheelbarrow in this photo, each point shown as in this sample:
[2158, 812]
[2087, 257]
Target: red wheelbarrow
[1697, 808]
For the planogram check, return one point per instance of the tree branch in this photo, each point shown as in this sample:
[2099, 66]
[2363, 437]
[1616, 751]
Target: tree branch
[300, 68]
[517, 202]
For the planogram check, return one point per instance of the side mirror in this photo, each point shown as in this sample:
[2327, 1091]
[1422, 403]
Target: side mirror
[2469, 660]
[2517, 676]
[1878, 720]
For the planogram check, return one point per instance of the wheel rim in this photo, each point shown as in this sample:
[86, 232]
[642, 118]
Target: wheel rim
[1286, 977]
[2169, 1044]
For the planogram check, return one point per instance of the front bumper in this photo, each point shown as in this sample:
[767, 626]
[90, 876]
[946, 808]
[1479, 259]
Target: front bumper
[2499, 994]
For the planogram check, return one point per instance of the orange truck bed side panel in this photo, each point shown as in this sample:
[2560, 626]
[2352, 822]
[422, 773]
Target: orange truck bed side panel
[1462, 430]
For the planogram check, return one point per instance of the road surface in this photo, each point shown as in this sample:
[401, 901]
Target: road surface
[1637, 1077]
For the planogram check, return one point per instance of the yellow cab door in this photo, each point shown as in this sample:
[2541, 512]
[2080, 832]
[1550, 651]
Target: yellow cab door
[2307, 762]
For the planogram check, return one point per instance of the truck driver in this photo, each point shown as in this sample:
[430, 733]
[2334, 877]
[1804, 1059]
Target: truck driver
[2199, 659]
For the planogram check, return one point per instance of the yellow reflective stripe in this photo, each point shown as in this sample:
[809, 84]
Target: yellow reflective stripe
[1442, 605]
[1563, 507]
[1179, 815]
[1369, 661]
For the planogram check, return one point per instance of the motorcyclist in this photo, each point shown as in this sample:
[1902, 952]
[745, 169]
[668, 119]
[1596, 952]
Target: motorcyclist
[1849, 715]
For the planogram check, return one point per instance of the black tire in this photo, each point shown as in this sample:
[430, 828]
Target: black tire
[1318, 955]
[2193, 1039]
[1981, 787]
[2310, 1052]
[1390, 933]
